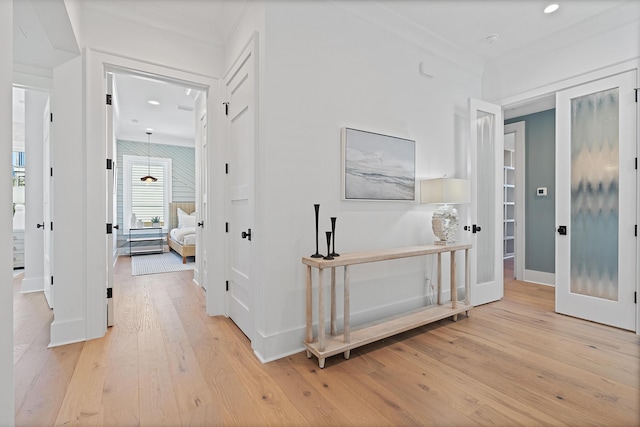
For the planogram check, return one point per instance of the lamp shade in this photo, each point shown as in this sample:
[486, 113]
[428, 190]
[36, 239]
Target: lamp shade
[445, 191]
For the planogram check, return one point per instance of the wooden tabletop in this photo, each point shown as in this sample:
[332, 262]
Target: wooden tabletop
[381, 255]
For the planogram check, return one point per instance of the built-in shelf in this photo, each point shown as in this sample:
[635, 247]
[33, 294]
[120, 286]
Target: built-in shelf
[509, 202]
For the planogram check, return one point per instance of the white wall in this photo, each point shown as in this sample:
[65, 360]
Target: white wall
[35, 102]
[7, 394]
[325, 69]
[102, 32]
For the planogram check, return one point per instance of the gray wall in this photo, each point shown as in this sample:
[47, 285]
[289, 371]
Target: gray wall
[540, 163]
[183, 172]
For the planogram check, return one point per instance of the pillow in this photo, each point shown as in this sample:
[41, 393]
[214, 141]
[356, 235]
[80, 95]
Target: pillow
[181, 215]
[188, 221]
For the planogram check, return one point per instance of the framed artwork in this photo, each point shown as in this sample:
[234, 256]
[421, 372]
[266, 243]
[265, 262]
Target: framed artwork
[377, 167]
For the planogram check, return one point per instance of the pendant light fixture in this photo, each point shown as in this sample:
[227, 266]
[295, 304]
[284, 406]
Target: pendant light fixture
[148, 178]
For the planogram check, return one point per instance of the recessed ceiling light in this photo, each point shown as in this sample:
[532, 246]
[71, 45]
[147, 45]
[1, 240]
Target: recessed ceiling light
[551, 8]
[152, 102]
[149, 129]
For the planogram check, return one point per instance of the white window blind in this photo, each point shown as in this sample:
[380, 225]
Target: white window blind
[147, 198]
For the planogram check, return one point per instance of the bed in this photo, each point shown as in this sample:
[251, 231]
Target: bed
[181, 237]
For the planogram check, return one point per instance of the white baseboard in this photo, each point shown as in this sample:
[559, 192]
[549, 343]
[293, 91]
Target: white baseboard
[67, 332]
[540, 277]
[32, 284]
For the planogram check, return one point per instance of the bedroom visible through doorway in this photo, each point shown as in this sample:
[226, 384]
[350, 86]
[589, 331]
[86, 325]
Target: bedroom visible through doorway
[154, 133]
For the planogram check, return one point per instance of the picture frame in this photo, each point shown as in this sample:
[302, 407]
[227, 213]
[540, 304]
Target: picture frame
[377, 167]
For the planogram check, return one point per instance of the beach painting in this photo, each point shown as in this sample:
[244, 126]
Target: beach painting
[377, 167]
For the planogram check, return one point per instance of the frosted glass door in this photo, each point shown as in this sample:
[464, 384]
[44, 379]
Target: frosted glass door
[595, 243]
[486, 217]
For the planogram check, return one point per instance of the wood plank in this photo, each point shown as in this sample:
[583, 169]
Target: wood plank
[83, 396]
[158, 404]
[381, 255]
[384, 328]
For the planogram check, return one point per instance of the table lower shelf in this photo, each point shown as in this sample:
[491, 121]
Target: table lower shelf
[382, 329]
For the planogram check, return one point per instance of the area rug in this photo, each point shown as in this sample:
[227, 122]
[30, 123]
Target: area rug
[158, 263]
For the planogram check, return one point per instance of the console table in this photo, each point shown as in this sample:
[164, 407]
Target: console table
[336, 343]
[151, 235]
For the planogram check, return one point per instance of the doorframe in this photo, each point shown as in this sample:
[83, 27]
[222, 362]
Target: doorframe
[97, 63]
[519, 129]
[553, 87]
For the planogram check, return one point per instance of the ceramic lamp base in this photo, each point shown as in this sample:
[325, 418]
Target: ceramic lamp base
[444, 224]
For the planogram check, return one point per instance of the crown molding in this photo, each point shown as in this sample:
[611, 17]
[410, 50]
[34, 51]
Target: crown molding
[378, 15]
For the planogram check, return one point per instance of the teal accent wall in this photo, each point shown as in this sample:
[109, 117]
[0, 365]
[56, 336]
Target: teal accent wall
[540, 171]
[183, 172]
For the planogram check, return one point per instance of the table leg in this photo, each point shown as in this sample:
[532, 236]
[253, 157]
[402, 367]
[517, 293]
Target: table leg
[467, 280]
[439, 278]
[347, 310]
[454, 291]
[309, 329]
[334, 328]
[321, 332]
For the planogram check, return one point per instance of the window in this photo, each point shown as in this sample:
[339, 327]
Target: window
[146, 199]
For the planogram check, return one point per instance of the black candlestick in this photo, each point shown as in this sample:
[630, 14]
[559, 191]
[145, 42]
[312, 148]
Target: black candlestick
[317, 254]
[333, 232]
[328, 246]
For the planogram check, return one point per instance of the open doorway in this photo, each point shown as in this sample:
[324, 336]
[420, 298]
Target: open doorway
[155, 176]
[530, 203]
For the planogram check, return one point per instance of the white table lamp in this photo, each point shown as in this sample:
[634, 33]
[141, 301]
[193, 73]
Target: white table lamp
[445, 191]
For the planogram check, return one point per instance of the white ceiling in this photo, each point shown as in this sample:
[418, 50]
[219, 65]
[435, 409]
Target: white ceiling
[172, 120]
[463, 25]
[518, 23]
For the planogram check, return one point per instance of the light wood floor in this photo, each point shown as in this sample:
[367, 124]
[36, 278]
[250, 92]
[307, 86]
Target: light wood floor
[513, 362]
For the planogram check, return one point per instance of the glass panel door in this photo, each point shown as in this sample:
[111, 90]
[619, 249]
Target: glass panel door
[486, 222]
[596, 201]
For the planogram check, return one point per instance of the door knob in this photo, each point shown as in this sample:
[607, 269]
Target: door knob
[201, 224]
[562, 230]
[41, 226]
[247, 234]
[117, 227]
[476, 229]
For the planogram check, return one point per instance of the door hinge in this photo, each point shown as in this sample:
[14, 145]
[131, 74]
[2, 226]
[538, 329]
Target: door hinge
[51, 225]
[51, 280]
[227, 286]
[637, 89]
[226, 108]
[226, 168]
[109, 293]
[636, 163]
[51, 117]
[50, 171]
[109, 164]
[226, 227]
[109, 228]
[635, 297]
[108, 99]
[636, 230]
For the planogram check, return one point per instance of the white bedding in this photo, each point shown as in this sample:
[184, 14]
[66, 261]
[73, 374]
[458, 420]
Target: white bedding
[185, 235]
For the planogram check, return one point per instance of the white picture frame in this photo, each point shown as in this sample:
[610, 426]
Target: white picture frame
[377, 167]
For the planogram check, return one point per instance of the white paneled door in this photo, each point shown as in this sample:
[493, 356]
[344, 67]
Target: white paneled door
[596, 188]
[241, 116]
[109, 201]
[202, 185]
[485, 222]
[47, 206]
